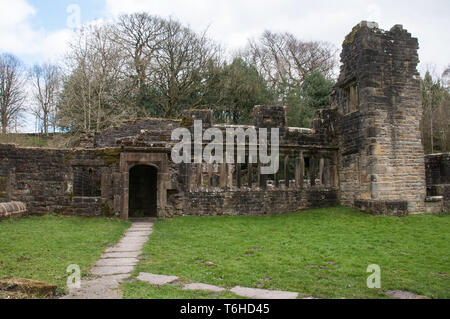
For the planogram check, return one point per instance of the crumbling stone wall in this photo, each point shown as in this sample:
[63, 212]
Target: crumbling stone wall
[438, 177]
[44, 179]
[308, 162]
[379, 101]
[257, 202]
[157, 130]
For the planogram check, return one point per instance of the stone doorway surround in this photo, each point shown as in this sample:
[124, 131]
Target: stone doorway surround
[142, 191]
[158, 160]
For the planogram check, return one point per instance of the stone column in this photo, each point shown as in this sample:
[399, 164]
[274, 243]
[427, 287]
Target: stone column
[249, 175]
[286, 171]
[335, 173]
[276, 177]
[299, 170]
[312, 170]
[188, 173]
[210, 175]
[262, 178]
[238, 175]
[321, 170]
[223, 175]
[8, 186]
[199, 175]
[229, 175]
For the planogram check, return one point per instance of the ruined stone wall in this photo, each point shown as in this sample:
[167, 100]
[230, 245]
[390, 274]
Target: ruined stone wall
[257, 202]
[44, 179]
[379, 100]
[307, 176]
[438, 177]
[158, 130]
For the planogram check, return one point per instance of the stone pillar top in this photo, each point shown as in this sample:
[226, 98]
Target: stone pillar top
[270, 116]
[204, 115]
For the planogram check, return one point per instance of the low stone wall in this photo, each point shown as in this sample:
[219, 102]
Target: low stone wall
[257, 202]
[12, 209]
[379, 207]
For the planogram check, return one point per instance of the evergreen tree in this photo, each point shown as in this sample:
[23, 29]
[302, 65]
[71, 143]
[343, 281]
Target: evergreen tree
[313, 95]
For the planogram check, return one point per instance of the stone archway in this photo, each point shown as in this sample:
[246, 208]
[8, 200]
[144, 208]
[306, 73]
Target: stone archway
[157, 161]
[143, 188]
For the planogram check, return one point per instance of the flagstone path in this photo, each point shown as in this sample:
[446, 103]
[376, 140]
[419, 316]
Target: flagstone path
[115, 265]
[118, 262]
[252, 293]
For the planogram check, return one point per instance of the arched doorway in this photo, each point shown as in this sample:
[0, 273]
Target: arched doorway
[143, 192]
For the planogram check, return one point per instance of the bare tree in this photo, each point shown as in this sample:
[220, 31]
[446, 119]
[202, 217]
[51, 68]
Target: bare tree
[140, 36]
[46, 81]
[285, 61]
[435, 124]
[446, 77]
[95, 93]
[182, 64]
[12, 90]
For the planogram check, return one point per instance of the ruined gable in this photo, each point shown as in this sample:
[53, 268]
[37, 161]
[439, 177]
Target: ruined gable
[379, 101]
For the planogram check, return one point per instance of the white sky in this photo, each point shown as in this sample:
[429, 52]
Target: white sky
[232, 22]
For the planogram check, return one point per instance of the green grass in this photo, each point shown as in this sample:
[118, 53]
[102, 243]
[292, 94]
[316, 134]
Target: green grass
[142, 290]
[56, 140]
[322, 253]
[26, 140]
[41, 248]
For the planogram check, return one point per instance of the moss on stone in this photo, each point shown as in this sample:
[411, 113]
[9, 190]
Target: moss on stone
[106, 210]
[350, 38]
[69, 157]
[109, 155]
[187, 122]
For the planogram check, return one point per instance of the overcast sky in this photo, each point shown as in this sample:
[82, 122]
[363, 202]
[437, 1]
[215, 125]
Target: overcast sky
[38, 30]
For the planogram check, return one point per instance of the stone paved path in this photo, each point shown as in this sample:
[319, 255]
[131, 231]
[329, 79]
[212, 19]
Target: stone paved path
[115, 265]
[252, 293]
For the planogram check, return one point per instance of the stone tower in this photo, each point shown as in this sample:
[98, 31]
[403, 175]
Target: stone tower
[378, 99]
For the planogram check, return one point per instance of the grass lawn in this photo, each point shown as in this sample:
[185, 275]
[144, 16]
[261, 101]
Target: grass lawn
[321, 252]
[41, 248]
[142, 290]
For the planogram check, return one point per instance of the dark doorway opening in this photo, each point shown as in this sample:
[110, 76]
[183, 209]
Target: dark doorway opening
[143, 192]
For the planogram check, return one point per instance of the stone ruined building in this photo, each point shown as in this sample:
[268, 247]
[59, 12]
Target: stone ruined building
[364, 151]
[379, 99]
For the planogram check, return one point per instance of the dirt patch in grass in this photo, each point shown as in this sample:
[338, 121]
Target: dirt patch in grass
[25, 287]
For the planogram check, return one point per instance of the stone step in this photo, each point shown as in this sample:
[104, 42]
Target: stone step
[203, 287]
[117, 262]
[255, 293]
[123, 254]
[158, 280]
[434, 205]
[112, 270]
